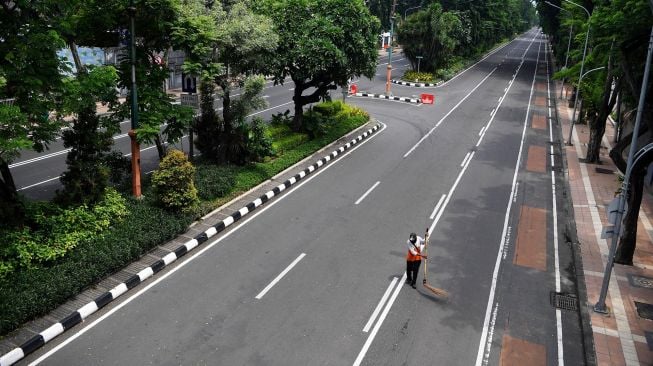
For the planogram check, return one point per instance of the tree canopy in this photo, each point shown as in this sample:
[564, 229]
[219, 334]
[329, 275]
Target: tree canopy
[322, 43]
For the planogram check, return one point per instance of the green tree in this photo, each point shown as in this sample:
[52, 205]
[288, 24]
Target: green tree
[322, 44]
[90, 138]
[31, 78]
[225, 44]
[433, 34]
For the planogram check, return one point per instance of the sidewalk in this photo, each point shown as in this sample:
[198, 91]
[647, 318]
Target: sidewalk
[625, 335]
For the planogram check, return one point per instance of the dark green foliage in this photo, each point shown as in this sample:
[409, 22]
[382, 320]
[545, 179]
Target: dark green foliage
[52, 231]
[32, 292]
[90, 138]
[173, 182]
[214, 181]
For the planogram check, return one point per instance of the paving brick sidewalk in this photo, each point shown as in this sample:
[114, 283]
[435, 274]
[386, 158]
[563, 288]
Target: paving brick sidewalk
[620, 338]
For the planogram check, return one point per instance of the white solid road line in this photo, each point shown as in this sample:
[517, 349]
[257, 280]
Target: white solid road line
[280, 276]
[39, 183]
[379, 306]
[437, 207]
[448, 113]
[561, 359]
[366, 193]
[482, 357]
[370, 338]
[271, 108]
[199, 253]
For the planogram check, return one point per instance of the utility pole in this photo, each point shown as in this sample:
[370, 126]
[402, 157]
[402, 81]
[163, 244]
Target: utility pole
[135, 147]
[389, 72]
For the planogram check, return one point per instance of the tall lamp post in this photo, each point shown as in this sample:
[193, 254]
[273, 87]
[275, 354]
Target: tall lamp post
[414, 7]
[582, 66]
[135, 147]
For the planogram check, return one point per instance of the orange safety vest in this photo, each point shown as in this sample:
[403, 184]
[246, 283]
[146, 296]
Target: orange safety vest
[410, 257]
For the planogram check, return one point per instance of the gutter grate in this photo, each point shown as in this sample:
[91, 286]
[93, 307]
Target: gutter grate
[564, 301]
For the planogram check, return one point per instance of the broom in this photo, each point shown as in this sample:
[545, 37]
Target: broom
[437, 291]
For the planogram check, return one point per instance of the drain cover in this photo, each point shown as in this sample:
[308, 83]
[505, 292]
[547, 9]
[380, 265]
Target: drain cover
[564, 301]
[639, 281]
[604, 170]
[644, 310]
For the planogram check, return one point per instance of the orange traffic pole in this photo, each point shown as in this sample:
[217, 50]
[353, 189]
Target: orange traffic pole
[388, 82]
[136, 164]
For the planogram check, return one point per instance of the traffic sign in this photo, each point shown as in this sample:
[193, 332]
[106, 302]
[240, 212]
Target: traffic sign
[189, 83]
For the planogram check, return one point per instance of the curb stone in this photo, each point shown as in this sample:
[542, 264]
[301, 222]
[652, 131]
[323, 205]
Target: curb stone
[418, 85]
[389, 97]
[76, 317]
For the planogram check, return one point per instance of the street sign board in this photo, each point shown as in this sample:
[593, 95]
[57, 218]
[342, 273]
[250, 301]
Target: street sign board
[189, 83]
[190, 100]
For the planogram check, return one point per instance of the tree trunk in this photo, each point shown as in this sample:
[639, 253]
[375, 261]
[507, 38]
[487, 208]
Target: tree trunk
[597, 129]
[597, 122]
[76, 59]
[298, 118]
[160, 147]
[626, 249]
[12, 212]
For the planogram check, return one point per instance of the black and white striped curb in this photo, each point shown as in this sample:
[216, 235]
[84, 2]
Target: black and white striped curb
[82, 313]
[417, 85]
[388, 97]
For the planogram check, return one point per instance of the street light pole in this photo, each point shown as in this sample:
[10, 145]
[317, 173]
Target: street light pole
[135, 147]
[419, 58]
[582, 66]
[414, 7]
[573, 116]
[623, 195]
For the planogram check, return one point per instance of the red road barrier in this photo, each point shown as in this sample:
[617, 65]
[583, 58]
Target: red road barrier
[427, 98]
[353, 89]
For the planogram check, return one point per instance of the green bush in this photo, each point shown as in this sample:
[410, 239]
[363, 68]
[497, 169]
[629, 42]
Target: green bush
[54, 231]
[214, 181]
[414, 76]
[30, 292]
[289, 142]
[259, 145]
[173, 182]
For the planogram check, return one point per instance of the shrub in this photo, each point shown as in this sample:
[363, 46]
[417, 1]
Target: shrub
[418, 76]
[214, 181]
[173, 182]
[54, 231]
[258, 144]
[28, 293]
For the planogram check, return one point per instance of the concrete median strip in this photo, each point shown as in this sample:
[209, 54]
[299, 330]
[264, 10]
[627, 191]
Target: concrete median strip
[82, 313]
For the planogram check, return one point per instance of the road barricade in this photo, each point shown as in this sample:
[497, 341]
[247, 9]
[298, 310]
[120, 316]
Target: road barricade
[353, 89]
[427, 98]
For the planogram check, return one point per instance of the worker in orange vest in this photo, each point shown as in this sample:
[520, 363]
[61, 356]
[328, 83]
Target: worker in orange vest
[414, 258]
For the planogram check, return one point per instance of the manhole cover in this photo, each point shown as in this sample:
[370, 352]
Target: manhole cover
[604, 170]
[644, 310]
[564, 301]
[639, 281]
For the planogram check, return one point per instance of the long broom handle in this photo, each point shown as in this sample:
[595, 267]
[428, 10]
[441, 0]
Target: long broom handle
[426, 253]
